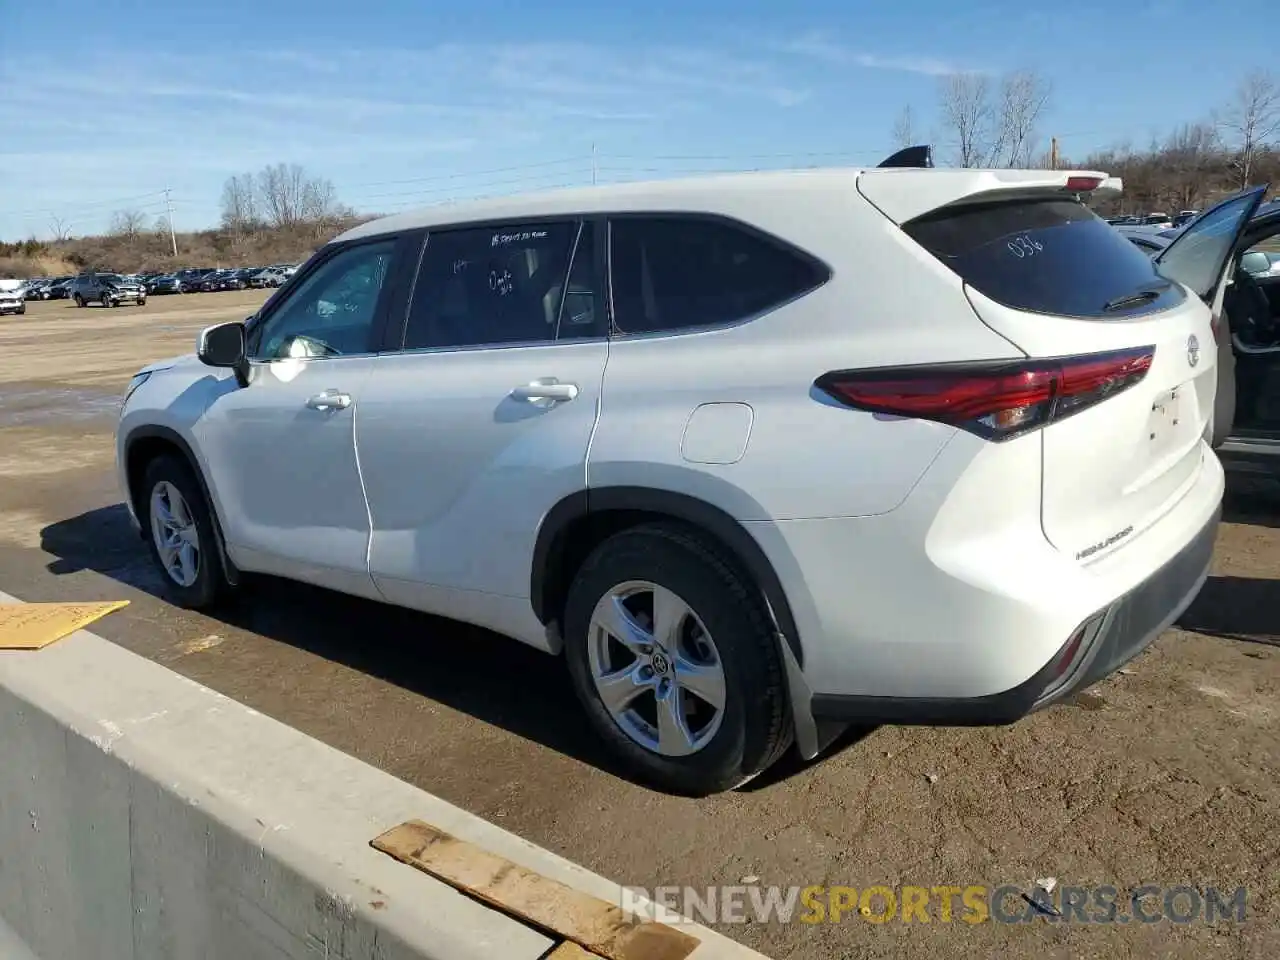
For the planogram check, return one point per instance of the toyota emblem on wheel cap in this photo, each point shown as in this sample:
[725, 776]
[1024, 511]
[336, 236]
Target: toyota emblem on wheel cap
[1193, 350]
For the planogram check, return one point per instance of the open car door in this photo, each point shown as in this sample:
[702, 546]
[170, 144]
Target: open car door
[1199, 258]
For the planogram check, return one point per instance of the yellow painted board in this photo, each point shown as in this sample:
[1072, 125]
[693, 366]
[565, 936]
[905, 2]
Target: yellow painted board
[599, 926]
[33, 626]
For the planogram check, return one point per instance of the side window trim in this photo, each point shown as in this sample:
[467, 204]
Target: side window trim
[391, 325]
[323, 256]
[822, 270]
[599, 329]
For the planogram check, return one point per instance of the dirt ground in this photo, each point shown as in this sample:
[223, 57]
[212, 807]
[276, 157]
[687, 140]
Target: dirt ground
[1165, 774]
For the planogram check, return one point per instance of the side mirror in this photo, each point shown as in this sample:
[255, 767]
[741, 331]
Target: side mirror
[223, 345]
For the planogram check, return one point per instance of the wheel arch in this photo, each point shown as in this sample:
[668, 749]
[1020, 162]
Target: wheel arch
[148, 441]
[582, 520]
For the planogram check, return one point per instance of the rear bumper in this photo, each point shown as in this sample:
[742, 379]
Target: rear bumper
[1106, 641]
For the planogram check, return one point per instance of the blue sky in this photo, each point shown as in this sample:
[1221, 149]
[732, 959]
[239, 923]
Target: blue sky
[404, 103]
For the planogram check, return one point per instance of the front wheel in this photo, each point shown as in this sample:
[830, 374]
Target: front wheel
[79, 300]
[673, 657]
[182, 540]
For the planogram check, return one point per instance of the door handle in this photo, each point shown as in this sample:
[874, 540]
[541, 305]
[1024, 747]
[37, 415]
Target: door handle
[330, 400]
[548, 388]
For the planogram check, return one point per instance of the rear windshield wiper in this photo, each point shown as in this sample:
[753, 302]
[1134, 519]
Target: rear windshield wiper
[1132, 299]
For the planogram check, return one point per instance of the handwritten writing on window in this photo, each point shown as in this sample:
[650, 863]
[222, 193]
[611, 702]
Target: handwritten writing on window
[520, 236]
[1023, 246]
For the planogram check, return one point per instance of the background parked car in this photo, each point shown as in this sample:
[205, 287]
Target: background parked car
[192, 277]
[60, 288]
[236, 279]
[213, 282]
[108, 289]
[11, 300]
[166, 283]
[1150, 240]
[36, 289]
[268, 277]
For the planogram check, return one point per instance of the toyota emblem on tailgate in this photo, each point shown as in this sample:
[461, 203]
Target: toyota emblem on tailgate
[1193, 350]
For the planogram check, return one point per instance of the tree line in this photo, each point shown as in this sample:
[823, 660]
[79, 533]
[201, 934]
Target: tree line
[986, 121]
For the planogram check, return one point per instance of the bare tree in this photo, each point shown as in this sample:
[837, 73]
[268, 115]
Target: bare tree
[282, 188]
[1023, 97]
[128, 224]
[1188, 156]
[904, 133]
[60, 227]
[990, 127]
[965, 108]
[239, 203]
[1251, 120]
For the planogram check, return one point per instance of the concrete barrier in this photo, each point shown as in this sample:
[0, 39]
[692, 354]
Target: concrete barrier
[143, 815]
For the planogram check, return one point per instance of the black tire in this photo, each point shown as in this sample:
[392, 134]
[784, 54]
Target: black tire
[79, 300]
[210, 584]
[756, 728]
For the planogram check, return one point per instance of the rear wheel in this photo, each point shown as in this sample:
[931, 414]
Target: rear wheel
[182, 538]
[79, 300]
[674, 660]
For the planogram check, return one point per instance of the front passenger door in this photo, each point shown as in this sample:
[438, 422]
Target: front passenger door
[481, 423]
[280, 452]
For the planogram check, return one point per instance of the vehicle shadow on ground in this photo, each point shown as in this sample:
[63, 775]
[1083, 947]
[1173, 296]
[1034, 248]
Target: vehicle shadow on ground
[1241, 608]
[1251, 501]
[487, 676]
[1237, 608]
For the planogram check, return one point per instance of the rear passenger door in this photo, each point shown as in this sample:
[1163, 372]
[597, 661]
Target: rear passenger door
[704, 362]
[480, 423]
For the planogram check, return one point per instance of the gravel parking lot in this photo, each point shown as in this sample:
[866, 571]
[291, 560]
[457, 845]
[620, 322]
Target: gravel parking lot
[1166, 774]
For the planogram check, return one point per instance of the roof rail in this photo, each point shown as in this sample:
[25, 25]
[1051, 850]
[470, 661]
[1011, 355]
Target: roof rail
[917, 156]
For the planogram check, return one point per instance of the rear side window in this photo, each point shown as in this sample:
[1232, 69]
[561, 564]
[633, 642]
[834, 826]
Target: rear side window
[1045, 256]
[675, 273]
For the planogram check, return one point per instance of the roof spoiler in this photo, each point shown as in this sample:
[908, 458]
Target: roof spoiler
[917, 157]
[1109, 188]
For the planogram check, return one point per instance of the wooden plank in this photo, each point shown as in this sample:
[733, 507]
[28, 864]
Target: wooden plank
[568, 950]
[33, 626]
[599, 926]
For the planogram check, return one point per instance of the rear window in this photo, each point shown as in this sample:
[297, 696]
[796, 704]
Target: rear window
[1045, 256]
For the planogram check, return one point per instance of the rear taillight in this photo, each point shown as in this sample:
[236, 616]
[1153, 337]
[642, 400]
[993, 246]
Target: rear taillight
[1083, 184]
[997, 401]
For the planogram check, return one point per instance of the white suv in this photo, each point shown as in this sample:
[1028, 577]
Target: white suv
[759, 454]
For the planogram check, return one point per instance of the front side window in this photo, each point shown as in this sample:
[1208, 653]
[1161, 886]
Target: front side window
[672, 273]
[332, 312]
[486, 286]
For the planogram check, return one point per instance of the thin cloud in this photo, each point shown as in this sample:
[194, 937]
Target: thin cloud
[198, 116]
[818, 46]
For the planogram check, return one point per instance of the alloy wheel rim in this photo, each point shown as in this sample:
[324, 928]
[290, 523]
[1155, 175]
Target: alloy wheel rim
[656, 669]
[177, 540]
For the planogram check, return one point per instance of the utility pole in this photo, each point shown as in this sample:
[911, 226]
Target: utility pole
[173, 237]
[593, 163]
[1053, 154]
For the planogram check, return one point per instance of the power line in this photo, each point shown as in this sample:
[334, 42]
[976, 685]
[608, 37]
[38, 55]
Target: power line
[469, 173]
[78, 205]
